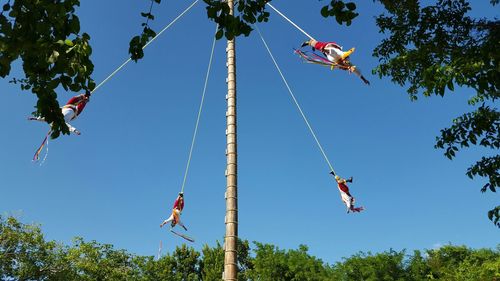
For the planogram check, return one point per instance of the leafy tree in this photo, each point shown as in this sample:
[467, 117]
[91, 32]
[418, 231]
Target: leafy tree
[461, 263]
[431, 49]
[150, 269]
[25, 255]
[45, 35]
[417, 267]
[387, 266]
[186, 264]
[213, 261]
[271, 263]
[94, 261]
[245, 261]
[182, 265]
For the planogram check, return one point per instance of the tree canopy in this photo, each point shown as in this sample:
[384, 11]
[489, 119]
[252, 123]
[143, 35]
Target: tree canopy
[433, 48]
[26, 255]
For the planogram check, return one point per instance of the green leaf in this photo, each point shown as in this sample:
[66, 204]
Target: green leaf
[338, 19]
[211, 12]
[74, 24]
[91, 85]
[219, 34]
[325, 11]
[351, 6]
[68, 42]
[450, 85]
[54, 83]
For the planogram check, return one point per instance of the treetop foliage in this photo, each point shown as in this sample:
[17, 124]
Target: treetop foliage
[26, 255]
[433, 48]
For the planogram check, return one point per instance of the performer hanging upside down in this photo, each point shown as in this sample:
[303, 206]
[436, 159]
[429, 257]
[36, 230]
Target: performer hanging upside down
[71, 110]
[175, 217]
[347, 198]
[334, 56]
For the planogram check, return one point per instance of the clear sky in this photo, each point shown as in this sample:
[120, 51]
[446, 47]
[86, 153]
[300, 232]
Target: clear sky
[117, 181]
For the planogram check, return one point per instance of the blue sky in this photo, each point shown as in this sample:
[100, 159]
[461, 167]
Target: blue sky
[117, 181]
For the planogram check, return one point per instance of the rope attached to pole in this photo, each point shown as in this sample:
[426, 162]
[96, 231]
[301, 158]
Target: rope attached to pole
[199, 113]
[159, 33]
[296, 102]
[289, 20]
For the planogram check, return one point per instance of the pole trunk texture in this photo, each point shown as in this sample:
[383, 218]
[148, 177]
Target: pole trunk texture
[231, 219]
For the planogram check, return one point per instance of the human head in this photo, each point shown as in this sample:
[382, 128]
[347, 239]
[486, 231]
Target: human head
[337, 178]
[181, 194]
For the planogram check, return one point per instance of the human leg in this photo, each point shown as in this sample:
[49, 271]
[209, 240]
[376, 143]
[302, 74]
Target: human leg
[335, 54]
[347, 200]
[69, 114]
[182, 225]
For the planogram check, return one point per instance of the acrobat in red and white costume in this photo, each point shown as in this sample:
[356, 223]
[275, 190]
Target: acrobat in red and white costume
[175, 217]
[71, 110]
[347, 198]
[332, 50]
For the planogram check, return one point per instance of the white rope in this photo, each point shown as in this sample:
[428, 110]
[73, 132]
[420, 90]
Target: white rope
[129, 59]
[159, 251]
[199, 113]
[296, 102]
[290, 21]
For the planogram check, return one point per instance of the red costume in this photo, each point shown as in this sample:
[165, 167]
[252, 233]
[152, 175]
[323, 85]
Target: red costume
[320, 46]
[179, 203]
[345, 195]
[343, 187]
[77, 104]
[175, 217]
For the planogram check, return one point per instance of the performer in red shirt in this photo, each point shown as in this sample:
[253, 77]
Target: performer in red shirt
[347, 198]
[71, 110]
[333, 56]
[175, 217]
[332, 50]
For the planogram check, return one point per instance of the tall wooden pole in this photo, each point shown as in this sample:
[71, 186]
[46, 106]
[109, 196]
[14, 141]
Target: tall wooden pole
[231, 219]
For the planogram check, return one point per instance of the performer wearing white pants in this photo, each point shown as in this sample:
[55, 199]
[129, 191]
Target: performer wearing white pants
[71, 110]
